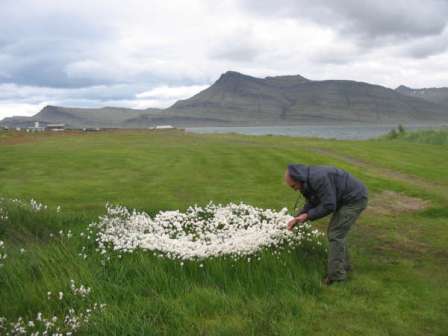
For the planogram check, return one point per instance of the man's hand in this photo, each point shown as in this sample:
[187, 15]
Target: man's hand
[299, 219]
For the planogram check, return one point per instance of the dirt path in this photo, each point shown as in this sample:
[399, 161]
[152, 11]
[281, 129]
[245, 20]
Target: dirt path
[439, 190]
[415, 245]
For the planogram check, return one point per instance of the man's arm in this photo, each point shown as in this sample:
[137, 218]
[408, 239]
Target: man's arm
[327, 199]
[301, 216]
[305, 209]
[299, 219]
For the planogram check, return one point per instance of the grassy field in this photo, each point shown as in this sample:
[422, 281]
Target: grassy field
[398, 246]
[429, 136]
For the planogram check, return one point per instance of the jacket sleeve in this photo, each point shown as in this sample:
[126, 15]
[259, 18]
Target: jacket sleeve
[327, 199]
[305, 209]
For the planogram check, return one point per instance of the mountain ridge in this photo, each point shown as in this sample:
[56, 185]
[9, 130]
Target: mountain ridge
[239, 99]
[434, 94]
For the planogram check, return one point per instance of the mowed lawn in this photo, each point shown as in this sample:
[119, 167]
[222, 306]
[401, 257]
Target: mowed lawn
[399, 245]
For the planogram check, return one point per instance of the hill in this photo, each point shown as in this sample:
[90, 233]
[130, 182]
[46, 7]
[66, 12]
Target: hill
[238, 99]
[293, 100]
[434, 95]
[111, 117]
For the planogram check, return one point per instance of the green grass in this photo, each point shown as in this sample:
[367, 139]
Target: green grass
[399, 283]
[430, 136]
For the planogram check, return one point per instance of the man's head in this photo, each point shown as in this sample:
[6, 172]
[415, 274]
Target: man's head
[296, 185]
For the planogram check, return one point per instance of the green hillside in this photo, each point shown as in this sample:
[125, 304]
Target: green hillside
[398, 246]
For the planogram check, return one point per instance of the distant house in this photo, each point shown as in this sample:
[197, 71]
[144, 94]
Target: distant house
[55, 127]
[164, 127]
[91, 129]
[36, 128]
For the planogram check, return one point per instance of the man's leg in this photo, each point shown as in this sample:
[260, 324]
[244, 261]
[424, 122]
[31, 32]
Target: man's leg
[348, 260]
[340, 224]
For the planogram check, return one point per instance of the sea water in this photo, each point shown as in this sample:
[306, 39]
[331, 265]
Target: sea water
[341, 132]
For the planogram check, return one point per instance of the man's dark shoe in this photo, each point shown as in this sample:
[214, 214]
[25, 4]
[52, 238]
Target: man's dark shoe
[328, 282]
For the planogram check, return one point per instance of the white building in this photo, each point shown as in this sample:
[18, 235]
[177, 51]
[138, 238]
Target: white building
[36, 128]
[55, 127]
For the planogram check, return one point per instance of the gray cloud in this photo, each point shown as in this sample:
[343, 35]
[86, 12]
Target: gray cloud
[337, 54]
[37, 43]
[370, 19]
[105, 52]
[239, 45]
[425, 47]
[235, 52]
[32, 94]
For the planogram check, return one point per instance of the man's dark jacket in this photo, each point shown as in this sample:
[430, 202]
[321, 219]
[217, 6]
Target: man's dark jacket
[326, 188]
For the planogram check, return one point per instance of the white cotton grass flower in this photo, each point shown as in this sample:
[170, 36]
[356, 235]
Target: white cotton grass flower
[83, 255]
[32, 205]
[3, 214]
[3, 254]
[67, 323]
[80, 290]
[37, 206]
[237, 230]
[3, 211]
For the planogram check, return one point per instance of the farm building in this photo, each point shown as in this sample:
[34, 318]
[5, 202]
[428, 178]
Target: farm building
[36, 128]
[91, 129]
[55, 127]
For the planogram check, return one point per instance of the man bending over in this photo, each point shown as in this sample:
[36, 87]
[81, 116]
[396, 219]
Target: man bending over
[329, 190]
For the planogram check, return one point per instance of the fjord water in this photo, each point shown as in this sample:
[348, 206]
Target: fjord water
[341, 132]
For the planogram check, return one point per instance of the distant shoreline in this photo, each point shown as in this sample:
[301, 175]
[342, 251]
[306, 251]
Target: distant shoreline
[335, 131]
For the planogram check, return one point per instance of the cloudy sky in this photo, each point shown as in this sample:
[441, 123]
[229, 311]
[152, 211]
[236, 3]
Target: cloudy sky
[150, 53]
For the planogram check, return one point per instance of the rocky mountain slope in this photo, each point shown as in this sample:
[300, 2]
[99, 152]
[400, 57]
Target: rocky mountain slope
[238, 99]
[293, 99]
[434, 95]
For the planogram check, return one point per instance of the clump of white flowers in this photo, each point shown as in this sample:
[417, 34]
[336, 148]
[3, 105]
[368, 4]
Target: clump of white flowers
[235, 230]
[81, 290]
[3, 254]
[66, 324]
[3, 211]
[32, 204]
[37, 206]
[3, 214]
[67, 234]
